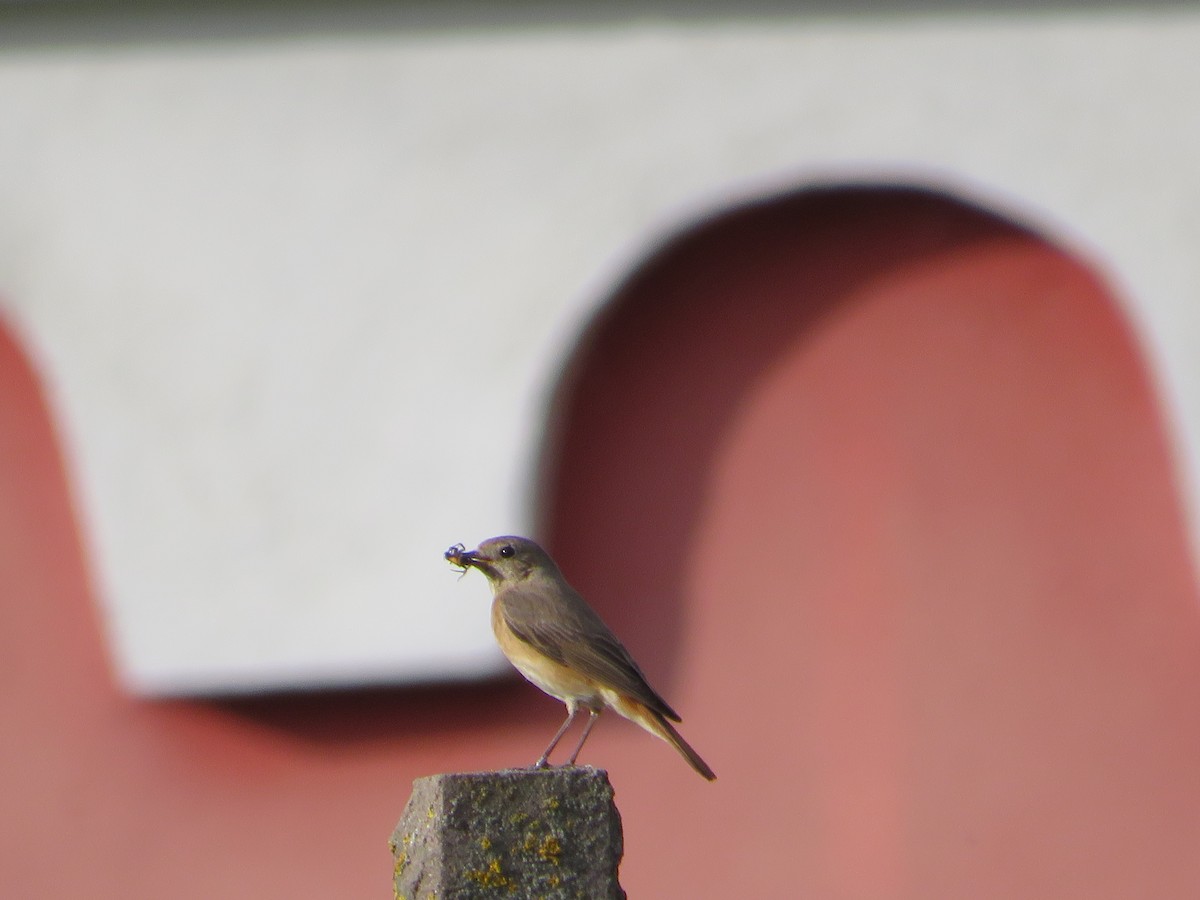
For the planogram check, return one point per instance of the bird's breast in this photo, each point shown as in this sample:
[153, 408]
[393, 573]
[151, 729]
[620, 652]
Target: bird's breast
[551, 676]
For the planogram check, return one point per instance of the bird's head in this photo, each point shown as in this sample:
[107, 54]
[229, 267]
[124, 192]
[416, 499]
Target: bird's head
[504, 560]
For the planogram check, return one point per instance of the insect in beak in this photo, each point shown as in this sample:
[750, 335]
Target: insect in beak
[460, 557]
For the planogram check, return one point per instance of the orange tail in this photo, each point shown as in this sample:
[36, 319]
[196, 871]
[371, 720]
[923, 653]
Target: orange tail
[675, 739]
[657, 724]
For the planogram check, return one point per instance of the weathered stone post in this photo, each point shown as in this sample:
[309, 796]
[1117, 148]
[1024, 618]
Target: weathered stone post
[523, 833]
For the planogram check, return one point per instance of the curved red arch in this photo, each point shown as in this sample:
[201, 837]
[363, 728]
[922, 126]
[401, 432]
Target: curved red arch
[875, 481]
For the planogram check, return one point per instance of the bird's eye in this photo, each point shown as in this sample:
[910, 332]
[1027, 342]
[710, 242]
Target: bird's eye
[507, 551]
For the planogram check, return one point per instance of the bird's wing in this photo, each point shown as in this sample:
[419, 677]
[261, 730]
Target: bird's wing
[561, 625]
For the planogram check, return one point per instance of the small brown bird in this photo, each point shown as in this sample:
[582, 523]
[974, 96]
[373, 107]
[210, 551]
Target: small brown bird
[559, 643]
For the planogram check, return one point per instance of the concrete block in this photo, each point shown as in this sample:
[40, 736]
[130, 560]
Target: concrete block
[551, 833]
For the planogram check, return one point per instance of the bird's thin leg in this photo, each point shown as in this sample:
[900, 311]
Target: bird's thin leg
[593, 715]
[545, 758]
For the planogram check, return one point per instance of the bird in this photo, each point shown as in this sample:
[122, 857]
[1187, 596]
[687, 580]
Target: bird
[559, 643]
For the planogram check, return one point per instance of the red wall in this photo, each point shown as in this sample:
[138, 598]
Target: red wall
[875, 487]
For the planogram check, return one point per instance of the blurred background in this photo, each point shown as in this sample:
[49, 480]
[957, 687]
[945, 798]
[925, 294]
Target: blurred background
[842, 354]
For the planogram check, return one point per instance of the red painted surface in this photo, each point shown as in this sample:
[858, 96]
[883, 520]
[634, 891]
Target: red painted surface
[882, 480]
[873, 484]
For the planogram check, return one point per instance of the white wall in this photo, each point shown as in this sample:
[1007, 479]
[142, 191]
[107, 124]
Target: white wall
[300, 300]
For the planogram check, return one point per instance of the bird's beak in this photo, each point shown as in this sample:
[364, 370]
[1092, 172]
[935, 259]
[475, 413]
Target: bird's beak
[460, 556]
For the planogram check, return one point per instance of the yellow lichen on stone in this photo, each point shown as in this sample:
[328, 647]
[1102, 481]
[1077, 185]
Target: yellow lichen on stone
[550, 849]
[493, 876]
[485, 842]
